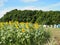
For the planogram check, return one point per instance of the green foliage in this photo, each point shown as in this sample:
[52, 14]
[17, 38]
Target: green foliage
[42, 17]
[11, 35]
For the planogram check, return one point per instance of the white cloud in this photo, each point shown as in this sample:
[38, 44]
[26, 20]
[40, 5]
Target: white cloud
[19, 8]
[29, 0]
[2, 2]
[2, 12]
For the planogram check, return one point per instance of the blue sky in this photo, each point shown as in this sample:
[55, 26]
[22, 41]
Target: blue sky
[46, 5]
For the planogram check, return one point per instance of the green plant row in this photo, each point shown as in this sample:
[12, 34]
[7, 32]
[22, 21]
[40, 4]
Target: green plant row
[22, 34]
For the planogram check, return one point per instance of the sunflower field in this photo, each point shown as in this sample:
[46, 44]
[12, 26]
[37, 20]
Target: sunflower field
[15, 33]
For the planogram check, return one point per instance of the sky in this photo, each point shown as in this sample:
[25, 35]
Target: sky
[45, 5]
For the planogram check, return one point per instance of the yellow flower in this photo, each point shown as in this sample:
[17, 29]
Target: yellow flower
[16, 26]
[22, 23]
[36, 25]
[6, 23]
[1, 24]
[27, 25]
[23, 30]
[17, 22]
[10, 23]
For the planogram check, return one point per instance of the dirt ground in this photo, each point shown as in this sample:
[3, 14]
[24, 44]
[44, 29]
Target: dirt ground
[55, 32]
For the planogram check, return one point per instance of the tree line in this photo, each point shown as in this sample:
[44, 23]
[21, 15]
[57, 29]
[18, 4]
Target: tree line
[39, 16]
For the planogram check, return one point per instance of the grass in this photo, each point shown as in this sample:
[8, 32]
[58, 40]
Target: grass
[55, 34]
